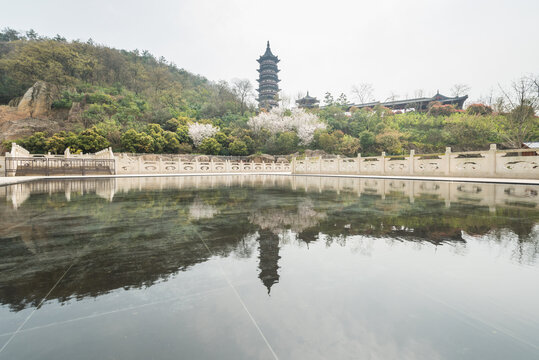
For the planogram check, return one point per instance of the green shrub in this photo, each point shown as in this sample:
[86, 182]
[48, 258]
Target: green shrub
[133, 141]
[99, 98]
[238, 147]
[210, 146]
[62, 104]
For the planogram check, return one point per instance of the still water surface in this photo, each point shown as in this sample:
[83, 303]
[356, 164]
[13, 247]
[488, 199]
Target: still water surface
[264, 267]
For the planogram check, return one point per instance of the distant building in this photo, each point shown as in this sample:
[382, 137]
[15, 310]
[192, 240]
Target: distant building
[531, 145]
[534, 146]
[308, 102]
[268, 88]
[419, 104]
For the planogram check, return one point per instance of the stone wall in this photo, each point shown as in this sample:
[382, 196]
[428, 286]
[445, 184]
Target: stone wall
[490, 163]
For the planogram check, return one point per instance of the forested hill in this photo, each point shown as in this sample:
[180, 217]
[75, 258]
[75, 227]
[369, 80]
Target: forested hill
[131, 86]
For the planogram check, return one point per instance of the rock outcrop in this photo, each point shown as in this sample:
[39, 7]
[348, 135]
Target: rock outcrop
[11, 130]
[37, 101]
[33, 112]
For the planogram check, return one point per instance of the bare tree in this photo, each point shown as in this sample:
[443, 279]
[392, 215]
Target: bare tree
[487, 99]
[285, 101]
[419, 93]
[535, 83]
[392, 97]
[243, 89]
[363, 92]
[459, 90]
[521, 102]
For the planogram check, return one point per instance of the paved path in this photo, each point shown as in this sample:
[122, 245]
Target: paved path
[19, 179]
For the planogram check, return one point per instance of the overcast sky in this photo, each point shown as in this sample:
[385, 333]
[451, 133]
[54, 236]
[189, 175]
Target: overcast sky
[397, 45]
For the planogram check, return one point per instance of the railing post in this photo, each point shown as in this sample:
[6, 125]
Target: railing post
[492, 160]
[447, 161]
[359, 163]
[383, 161]
[411, 163]
[338, 164]
[293, 165]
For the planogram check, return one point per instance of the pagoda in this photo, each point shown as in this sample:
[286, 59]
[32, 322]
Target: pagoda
[268, 80]
[308, 102]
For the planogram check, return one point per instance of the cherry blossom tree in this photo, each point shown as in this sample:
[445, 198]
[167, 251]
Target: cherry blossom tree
[305, 125]
[278, 120]
[198, 132]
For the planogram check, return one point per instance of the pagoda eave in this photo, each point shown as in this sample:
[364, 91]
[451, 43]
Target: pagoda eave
[275, 59]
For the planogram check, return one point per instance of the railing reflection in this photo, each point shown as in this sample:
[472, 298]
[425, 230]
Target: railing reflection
[480, 194]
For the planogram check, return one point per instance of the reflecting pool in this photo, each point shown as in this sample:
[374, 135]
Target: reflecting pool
[265, 267]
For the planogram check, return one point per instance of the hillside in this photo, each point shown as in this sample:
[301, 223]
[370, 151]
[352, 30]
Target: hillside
[72, 85]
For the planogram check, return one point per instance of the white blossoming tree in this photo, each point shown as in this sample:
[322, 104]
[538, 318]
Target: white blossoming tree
[198, 132]
[305, 124]
[276, 121]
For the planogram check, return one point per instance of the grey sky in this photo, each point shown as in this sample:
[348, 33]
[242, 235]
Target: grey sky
[398, 46]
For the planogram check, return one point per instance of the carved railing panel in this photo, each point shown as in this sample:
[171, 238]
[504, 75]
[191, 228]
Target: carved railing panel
[348, 166]
[370, 165]
[429, 166]
[396, 167]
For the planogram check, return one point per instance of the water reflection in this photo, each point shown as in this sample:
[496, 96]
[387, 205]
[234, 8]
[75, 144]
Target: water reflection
[132, 232]
[328, 267]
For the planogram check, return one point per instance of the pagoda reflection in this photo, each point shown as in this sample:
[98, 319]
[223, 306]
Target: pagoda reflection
[268, 258]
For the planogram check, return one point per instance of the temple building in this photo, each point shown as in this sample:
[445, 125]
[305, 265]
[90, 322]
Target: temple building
[268, 80]
[418, 104]
[308, 102]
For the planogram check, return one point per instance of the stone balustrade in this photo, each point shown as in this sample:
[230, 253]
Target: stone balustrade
[520, 163]
[160, 164]
[492, 163]
[19, 162]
